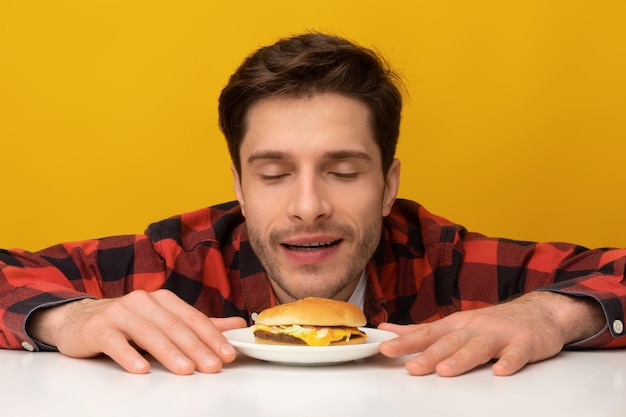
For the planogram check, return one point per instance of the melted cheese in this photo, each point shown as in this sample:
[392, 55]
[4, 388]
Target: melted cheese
[313, 335]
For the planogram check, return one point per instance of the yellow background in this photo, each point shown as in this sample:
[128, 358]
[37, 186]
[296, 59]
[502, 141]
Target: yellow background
[515, 125]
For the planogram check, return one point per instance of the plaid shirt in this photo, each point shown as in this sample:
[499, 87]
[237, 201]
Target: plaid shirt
[424, 268]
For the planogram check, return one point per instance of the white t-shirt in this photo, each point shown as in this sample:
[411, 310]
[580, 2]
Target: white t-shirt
[358, 296]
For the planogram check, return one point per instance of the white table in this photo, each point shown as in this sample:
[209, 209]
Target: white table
[589, 384]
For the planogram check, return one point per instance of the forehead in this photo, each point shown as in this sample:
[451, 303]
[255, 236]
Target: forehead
[308, 124]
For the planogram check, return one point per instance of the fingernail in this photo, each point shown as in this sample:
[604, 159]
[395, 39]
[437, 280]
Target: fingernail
[181, 362]
[209, 361]
[227, 349]
[420, 359]
[391, 342]
[139, 365]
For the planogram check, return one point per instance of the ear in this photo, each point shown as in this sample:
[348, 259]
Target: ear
[392, 184]
[237, 186]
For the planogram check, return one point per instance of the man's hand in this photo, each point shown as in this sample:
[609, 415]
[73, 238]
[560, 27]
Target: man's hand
[528, 329]
[180, 337]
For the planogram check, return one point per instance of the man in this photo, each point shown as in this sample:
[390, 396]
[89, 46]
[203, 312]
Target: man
[312, 124]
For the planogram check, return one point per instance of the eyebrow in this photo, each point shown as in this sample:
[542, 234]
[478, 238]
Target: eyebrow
[331, 155]
[268, 155]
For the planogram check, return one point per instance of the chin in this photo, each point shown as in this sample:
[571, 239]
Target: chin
[311, 281]
[322, 290]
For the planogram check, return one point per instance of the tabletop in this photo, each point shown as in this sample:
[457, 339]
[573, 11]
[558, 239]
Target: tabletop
[586, 383]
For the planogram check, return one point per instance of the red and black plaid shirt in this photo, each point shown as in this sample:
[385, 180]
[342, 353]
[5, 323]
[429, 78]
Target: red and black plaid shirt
[425, 267]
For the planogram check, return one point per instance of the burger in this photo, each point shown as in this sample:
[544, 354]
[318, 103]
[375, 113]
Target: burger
[311, 321]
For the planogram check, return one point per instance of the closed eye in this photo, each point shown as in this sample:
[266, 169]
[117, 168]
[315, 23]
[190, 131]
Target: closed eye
[272, 178]
[345, 175]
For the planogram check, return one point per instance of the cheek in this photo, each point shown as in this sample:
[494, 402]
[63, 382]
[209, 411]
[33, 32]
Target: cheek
[362, 208]
[260, 210]
[366, 198]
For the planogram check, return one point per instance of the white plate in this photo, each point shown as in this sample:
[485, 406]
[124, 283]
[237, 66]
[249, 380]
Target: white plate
[243, 341]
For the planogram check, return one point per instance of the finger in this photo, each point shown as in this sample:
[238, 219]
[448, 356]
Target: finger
[228, 323]
[120, 351]
[513, 358]
[190, 334]
[200, 338]
[411, 339]
[476, 352]
[216, 341]
[394, 348]
[111, 326]
[210, 349]
[398, 329]
[90, 332]
[441, 349]
[157, 339]
[142, 320]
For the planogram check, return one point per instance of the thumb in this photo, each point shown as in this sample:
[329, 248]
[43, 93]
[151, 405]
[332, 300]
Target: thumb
[228, 323]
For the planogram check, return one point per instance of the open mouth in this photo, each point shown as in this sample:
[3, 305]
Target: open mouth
[312, 246]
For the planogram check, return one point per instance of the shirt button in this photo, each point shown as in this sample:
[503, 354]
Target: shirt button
[27, 346]
[253, 316]
[618, 326]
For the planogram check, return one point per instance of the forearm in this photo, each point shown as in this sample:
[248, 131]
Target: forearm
[580, 317]
[17, 305]
[605, 296]
[43, 324]
[33, 281]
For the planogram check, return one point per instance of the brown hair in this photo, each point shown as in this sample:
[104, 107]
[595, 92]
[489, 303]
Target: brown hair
[310, 64]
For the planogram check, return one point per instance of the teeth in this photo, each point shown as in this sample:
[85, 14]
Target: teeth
[310, 246]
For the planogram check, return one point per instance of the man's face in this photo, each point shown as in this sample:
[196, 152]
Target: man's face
[313, 192]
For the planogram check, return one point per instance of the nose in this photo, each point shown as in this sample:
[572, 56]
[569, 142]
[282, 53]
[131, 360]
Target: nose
[308, 200]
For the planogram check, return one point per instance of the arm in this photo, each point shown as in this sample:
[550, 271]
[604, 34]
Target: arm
[129, 312]
[90, 269]
[583, 290]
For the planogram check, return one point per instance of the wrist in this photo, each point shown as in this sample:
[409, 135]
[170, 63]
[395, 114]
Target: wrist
[44, 323]
[579, 317]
